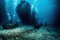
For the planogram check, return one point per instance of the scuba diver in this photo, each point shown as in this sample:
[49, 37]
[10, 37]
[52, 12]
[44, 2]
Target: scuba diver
[24, 12]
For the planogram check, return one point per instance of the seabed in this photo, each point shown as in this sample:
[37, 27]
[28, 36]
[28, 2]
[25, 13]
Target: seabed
[29, 33]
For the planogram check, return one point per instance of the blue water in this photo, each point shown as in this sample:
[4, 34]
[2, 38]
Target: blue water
[44, 9]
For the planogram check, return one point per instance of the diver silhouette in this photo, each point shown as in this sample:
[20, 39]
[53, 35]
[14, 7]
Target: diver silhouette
[24, 12]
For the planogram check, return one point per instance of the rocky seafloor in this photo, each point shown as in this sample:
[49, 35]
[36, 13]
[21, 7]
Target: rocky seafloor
[29, 33]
